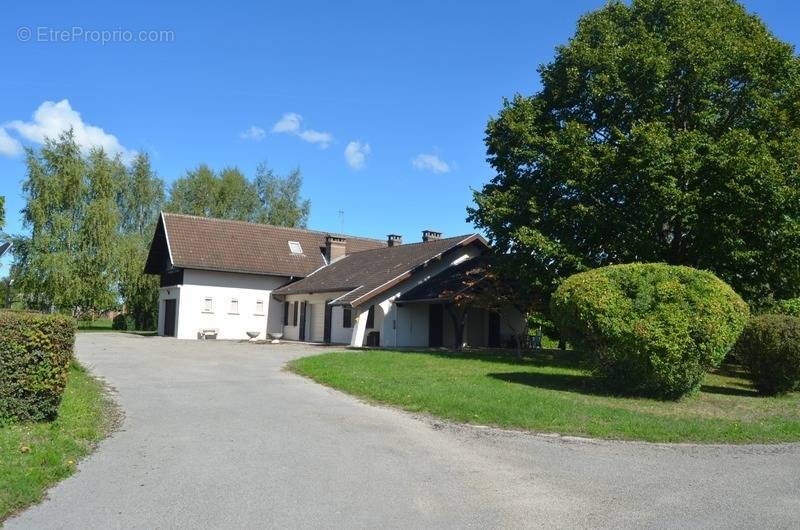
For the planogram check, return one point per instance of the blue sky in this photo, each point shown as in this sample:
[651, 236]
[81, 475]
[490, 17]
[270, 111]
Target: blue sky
[294, 84]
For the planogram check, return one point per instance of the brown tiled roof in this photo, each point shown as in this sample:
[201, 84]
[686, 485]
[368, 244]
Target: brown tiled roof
[236, 246]
[366, 274]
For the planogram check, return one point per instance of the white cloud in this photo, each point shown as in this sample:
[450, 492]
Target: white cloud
[51, 119]
[291, 123]
[316, 137]
[430, 162]
[356, 153]
[254, 132]
[9, 146]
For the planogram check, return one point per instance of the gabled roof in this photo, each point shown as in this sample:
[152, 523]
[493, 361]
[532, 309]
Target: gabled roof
[367, 274]
[191, 242]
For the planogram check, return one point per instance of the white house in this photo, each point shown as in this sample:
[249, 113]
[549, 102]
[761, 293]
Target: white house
[234, 277]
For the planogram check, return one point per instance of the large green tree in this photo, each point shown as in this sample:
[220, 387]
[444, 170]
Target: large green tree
[96, 259]
[280, 198]
[140, 198]
[665, 130]
[44, 268]
[227, 195]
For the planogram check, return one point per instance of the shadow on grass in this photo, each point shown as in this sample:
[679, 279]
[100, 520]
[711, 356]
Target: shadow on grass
[728, 391]
[554, 358]
[582, 384]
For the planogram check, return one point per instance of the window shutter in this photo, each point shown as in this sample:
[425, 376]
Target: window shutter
[286, 313]
[347, 317]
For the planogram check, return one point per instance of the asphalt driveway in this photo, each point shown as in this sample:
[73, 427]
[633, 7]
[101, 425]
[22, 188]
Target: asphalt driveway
[216, 434]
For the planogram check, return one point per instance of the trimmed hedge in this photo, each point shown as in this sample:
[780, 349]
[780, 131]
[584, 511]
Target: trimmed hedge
[769, 348]
[651, 329]
[35, 354]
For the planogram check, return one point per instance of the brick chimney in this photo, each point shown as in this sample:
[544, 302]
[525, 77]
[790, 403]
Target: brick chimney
[335, 248]
[394, 240]
[430, 235]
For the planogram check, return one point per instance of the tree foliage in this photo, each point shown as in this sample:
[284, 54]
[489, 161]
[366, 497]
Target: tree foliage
[665, 130]
[229, 194]
[2, 212]
[140, 199]
[280, 198]
[45, 261]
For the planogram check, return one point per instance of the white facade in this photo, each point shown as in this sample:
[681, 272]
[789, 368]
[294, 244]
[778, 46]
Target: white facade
[315, 318]
[233, 304]
[403, 325]
[228, 302]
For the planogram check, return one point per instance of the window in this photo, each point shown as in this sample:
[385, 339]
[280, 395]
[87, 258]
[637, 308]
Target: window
[295, 247]
[286, 313]
[234, 306]
[347, 317]
[208, 305]
[371, 317]
[259, 307]
[295, 319]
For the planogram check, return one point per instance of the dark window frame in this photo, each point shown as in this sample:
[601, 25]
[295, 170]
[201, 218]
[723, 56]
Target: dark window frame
[286, 313]
[296, 317]
[347, 317]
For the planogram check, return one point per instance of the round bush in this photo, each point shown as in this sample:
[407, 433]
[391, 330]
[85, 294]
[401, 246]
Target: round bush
[769, 348]
[651, 328]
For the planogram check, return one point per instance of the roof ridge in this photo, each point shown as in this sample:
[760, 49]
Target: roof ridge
[237, 221]
[416, 243]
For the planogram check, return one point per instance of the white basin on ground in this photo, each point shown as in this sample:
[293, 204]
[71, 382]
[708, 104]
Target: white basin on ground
[276, 337]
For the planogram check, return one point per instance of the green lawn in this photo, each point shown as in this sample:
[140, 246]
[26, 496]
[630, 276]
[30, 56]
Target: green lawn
[547, 393]
[85, 417]
[104, 324]
[100, 324]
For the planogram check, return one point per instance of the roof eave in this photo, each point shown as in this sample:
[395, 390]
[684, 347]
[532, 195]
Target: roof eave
[366, 297]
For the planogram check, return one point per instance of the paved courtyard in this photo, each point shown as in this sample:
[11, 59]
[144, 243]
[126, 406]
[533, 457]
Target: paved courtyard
[218, 435]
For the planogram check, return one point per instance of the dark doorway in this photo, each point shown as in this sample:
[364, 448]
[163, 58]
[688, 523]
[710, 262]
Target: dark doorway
[494, 330]
[435, 325]
[302, 334]
[169, 317]
[328, 318]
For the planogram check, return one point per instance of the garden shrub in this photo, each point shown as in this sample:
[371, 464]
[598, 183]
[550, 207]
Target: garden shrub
[35, 354]
[652, 329]
[769, 348]
[789, 307]
[123, 322]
